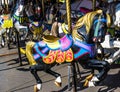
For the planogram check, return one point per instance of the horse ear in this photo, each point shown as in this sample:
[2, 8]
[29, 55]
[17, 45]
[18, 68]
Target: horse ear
[108, 20]
[107, 16]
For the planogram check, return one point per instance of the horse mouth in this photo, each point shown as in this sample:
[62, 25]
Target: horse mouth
[97, 39]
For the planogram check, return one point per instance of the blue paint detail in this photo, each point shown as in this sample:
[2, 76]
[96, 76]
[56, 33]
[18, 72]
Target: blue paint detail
[86, 48]
[36, 47]
[80, 53]
[36, 56]
[1, 21]
[117, 7]
[102, 20]
[42, 44]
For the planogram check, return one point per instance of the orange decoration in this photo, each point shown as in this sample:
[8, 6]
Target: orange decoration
[60, 56]
[69, 55]
[50, 58]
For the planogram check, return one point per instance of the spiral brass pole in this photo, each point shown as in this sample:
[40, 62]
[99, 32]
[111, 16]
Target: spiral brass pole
[93, 5]
[68, 9]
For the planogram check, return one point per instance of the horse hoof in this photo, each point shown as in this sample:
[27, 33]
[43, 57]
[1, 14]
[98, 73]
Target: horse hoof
[35, 88]
[91, 84]
[59, 84]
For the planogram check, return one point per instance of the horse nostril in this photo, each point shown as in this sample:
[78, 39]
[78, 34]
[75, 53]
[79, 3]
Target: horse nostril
[94, 39]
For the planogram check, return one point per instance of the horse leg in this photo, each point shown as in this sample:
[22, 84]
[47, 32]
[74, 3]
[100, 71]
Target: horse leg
[33, 70]
[58, 80]
[78, 69]
[102, 67]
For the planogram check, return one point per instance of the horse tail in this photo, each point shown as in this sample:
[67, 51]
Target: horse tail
[22, 51]
[29, 54]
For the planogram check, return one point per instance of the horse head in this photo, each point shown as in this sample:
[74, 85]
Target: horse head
[19, 8]
[92, 27]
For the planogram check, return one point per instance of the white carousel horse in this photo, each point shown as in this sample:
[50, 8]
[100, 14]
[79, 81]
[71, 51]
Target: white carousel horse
[110, 43]
[44, 54]
[117, 15]
[12, 20]
[2, 31]
[17, 14]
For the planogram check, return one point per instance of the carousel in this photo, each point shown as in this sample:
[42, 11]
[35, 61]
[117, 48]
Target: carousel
[57, 32]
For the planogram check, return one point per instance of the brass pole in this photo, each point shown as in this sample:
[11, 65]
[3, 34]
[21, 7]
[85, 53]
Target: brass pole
[93, 5]
[68, 9]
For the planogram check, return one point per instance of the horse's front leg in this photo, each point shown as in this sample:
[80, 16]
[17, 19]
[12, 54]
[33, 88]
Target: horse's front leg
[102, 67]
[58, 81]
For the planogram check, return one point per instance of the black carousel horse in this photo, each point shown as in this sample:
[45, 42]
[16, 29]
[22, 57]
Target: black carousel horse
[41, 25]
[76, 47]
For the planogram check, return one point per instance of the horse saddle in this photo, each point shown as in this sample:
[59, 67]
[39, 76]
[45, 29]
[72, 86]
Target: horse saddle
[53, 49]
[55, 43]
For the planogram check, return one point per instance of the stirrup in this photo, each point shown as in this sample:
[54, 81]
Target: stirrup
[86, 83]
[89, 77]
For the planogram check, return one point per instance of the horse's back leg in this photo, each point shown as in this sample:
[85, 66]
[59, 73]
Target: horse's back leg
[102, 67]
[58, 81]
[33, 70]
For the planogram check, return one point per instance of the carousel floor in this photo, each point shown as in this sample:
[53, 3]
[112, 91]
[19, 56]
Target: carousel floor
[15, 78]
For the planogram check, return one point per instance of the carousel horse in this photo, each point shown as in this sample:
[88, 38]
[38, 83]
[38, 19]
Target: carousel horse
[113, 9]
[35, 23]
[111, 40]
[3, 16]
[2, 39]
[24, 19]
[2, 32]
[18, 21]
[76, 47]
[11, 22]
[59, 29]
[6, 24]
[38, 26]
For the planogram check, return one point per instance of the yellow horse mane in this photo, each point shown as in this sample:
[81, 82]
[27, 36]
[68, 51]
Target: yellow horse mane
[87, 21]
